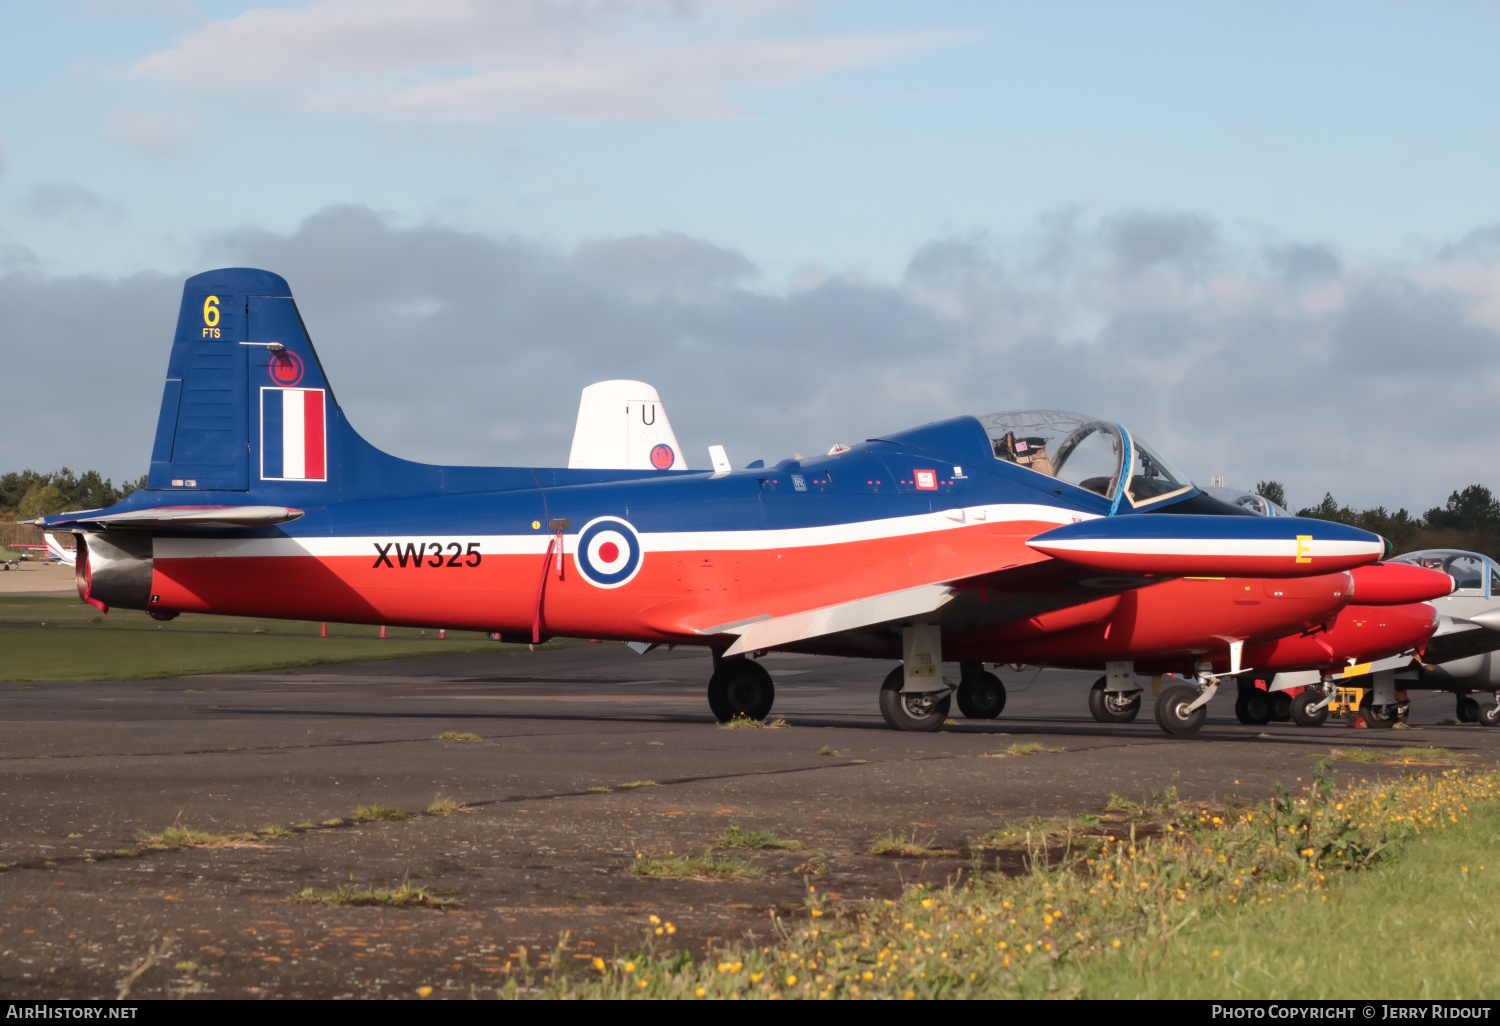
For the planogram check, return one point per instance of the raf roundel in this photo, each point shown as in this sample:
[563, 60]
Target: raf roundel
[608, 552]
[286, 368]
[662, 456]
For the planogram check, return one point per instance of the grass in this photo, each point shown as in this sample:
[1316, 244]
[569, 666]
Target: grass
[379, 812]
[1374, 890]
[909, 848]
[442, 806]
[1044, 834]
[405, 896]
[187, 837]
[1384, 756]
[77, 643]
[638, 783]
[746, 723]
[694, 867]
[1020, 748]
[737, 837]
[825, 750]
[452, 735]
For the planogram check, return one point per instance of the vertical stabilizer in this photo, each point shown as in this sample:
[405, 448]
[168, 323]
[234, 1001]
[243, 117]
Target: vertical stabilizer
[622, 425]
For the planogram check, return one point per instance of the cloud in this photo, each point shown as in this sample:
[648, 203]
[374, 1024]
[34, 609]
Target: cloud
[459, 347]
[473, 61]
[149, 131]
[68, 202]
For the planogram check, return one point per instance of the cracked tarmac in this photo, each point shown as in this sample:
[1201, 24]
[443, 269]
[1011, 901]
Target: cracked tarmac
[549, 827]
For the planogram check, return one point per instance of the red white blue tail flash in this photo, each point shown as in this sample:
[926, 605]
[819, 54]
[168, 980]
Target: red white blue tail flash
[294, 442]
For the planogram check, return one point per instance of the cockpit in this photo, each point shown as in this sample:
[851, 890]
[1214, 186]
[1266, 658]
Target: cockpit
[1476, 574]
[1247, 501]
[1092, 454]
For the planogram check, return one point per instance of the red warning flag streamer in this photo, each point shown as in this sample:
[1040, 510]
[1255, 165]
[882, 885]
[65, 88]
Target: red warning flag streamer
[541, 586]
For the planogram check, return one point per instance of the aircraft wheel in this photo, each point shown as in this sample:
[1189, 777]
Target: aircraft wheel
[1113, 706]
[1281, 706]
[922, 710]
[1468, 710]
[1378, 717]
[981, 697]
[1171, 711]
[1253, 707]
[740, 687]
[1301, 706]
[1487, 715]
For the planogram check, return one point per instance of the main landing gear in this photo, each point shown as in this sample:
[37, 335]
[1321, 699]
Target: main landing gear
[740, 688]
[1108, 706]
[981, 695]
[1471, 710]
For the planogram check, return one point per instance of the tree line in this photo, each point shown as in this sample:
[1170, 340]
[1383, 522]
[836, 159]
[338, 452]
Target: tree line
[1470, 519]
[27, 494]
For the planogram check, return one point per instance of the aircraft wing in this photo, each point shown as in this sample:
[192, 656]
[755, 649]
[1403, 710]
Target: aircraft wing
[1089, 561]
[177, 518]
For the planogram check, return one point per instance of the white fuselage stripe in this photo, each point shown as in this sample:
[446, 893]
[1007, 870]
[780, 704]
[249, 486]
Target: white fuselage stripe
[665, 541]
[1212, 547]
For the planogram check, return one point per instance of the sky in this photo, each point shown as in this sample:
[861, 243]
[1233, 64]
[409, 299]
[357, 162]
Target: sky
[1264, 236]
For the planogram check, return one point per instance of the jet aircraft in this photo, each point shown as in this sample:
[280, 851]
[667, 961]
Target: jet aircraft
[963, 539]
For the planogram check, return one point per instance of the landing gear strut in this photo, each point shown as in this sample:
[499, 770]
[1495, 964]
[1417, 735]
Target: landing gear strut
[1310, 708]
[740, 688]
[1181, 709]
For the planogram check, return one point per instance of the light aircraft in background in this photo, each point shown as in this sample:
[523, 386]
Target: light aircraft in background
[957, 540]
[53, 549]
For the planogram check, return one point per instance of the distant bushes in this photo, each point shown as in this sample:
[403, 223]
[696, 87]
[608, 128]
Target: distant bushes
[27, 494]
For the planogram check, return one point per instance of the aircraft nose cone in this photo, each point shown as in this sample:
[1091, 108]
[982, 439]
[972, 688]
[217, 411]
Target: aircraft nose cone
[1489, 618]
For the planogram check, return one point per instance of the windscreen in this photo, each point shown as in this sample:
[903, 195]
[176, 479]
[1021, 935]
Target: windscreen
[1467, 568]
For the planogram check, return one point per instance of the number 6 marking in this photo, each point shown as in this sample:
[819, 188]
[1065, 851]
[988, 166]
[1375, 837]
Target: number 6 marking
[211, 311]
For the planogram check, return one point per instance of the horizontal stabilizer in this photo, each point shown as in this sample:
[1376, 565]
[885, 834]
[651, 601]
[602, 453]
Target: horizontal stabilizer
[844, 616]
[1189, 545]
[179, 518]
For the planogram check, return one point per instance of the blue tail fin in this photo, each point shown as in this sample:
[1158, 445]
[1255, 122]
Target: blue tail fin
[248, 411]
[246, 400]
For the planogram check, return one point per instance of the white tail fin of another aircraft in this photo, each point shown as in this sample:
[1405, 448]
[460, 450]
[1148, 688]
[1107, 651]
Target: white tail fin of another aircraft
[622, 425]
[68, 557]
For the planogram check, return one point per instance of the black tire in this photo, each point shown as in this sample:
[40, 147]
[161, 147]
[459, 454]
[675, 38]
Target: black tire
[1382, 717]
[981, 697]
[740, 687]
[1281, 706]
[1109, 707]
[1171, 714]
[1305, 701]
[1252, 707]
[917, 711]
[1468, 710]
[1488, 715]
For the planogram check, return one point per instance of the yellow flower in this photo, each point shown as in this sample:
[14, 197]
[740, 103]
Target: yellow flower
[424, 992]
[653, 920]
[630, 967]
[791, 981]
[699, 992]
[599, 963]
[670, 929]
[817, 912]
[756, 977]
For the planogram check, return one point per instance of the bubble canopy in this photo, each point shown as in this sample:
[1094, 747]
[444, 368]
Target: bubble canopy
[1085, 451]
